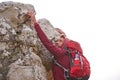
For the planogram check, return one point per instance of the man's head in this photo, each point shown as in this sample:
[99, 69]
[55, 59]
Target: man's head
[60, 41]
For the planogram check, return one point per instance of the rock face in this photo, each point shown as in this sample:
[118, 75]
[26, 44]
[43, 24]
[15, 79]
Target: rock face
[22, 55]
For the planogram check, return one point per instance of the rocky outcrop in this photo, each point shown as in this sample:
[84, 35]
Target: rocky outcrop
[22, 55]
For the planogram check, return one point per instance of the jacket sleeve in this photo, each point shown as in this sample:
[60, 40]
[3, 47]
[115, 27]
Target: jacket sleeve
[56, 51]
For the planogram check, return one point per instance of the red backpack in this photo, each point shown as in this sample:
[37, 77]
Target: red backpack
[80, 66]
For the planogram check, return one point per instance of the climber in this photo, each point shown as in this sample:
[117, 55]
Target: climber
[57, 49]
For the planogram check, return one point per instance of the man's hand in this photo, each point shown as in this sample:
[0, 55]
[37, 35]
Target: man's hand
[31, 14]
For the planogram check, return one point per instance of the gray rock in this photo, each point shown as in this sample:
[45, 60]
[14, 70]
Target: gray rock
[22, 55]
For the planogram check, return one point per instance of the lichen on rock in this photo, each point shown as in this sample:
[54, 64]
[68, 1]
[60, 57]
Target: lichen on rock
[22, 55]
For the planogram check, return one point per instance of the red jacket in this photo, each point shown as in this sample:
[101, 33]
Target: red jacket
[59, 53]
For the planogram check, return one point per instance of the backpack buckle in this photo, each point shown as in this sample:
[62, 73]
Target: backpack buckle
[67, 74]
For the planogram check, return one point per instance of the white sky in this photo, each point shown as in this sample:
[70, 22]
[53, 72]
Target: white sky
[93, 23]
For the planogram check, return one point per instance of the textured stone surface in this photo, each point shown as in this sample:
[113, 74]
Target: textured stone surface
[22, 55]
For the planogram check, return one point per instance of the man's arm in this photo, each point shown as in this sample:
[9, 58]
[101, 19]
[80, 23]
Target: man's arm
[56, 51]
[47, 43]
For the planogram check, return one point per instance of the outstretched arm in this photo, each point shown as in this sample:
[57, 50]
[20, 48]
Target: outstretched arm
[56, 51]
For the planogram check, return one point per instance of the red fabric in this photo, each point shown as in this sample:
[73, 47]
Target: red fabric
[75, 45]
[59, 53]
[86, 65]
[76, 69]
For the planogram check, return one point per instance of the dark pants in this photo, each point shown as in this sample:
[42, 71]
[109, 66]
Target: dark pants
[83, 78]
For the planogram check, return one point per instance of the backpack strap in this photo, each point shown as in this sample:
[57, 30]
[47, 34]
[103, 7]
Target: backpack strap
[71, 59]
[56, 62]
[66, 71]
[80, 58]
[70, 56]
